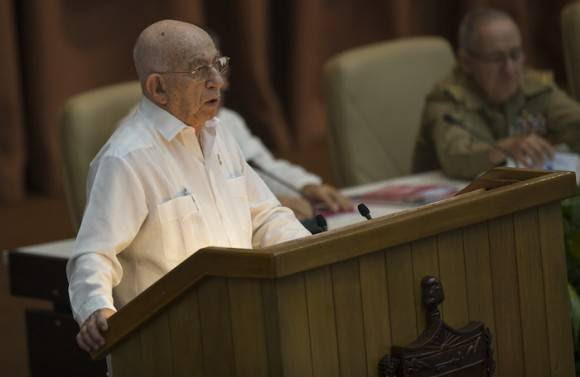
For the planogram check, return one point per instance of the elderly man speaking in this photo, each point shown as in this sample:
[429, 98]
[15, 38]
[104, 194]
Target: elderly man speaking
[168, 182]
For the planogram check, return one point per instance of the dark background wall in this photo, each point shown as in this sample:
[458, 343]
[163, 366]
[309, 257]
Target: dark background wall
[54, 49]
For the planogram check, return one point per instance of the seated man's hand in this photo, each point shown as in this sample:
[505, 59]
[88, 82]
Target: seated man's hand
[90, 337]
[329, 196]
[529, 150]
[301, 208]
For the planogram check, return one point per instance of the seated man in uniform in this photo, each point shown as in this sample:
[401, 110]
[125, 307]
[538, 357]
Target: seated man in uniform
[168, 182]
[491, 108]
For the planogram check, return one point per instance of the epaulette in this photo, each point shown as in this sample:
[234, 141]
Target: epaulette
[456, 88]
[456, 91]
[537, 81]
[459, 93]
[540, 75]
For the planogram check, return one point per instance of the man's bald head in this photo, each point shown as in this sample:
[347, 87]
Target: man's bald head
[168, 45]
[165, 55]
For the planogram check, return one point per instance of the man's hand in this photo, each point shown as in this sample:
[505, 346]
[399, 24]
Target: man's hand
[90, 337]
[301, 208]
[329, 196]
[528, 150]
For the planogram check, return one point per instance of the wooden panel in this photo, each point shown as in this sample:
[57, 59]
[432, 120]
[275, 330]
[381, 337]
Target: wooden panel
[478, 273]
[555, 288]
[351, 242]
[349, 318]
[452, 276]
[13, 342]
[216, 333]
[321, 316]
[272, 326]
[401, 295]
[250, 351]
[294, 330]
[509, 353]
[375, 304]
[532, 302]
[126, 358]
[427, 221]
[156, 347]
[425, 262]
[185, 330]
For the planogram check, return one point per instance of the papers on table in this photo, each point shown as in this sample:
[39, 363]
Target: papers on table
[396, 195]
[562, 161]
[408, 193]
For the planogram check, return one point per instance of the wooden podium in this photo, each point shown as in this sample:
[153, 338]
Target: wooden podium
[333, 304]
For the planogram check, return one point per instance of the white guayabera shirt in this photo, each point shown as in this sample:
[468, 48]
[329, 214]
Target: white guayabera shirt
[155, 196]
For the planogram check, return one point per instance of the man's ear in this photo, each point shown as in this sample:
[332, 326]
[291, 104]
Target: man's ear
[156, 89]
[465, 61]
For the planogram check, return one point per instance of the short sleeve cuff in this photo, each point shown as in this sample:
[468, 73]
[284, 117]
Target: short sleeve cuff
[308, 180]
[90, 306]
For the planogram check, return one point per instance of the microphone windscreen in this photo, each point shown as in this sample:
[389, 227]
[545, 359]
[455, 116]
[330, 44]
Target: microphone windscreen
[364, 211]
[321, 221]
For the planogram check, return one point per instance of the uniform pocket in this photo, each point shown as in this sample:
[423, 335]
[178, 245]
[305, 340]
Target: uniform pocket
[182, 228]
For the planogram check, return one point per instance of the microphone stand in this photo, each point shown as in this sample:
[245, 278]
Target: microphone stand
[260, 169]
[314, 225]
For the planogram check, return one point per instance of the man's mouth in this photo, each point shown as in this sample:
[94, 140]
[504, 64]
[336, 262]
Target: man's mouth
[213, 101]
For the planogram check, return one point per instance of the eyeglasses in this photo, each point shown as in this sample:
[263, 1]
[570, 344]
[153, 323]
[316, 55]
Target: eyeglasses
[515, 55]
[204, 72]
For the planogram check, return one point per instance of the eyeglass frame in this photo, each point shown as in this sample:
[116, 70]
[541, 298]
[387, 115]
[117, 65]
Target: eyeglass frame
[193, 72]
[515, 55]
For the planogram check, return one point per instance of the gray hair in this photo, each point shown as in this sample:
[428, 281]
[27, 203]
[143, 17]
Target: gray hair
[467, 28]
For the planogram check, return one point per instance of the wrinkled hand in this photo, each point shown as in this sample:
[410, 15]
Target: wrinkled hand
[329, 196]
[301, 208]
[90, 337]
[528, 150]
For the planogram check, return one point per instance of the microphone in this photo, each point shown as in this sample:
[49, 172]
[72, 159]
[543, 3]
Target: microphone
[315, 224]
[289, 186]
[364, 211]
[453, 120]
[321, 222]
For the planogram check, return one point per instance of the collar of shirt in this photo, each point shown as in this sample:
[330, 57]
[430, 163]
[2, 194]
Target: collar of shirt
[463, 88]
[169, 126]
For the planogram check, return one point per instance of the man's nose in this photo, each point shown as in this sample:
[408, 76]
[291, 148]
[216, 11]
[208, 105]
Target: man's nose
[509, 66]
[215, 80]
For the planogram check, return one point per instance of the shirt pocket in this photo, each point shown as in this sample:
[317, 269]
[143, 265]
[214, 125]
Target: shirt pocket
[183, 230]
[242, 218]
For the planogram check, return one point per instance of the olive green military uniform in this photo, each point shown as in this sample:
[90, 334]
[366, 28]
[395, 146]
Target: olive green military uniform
[458, 125]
